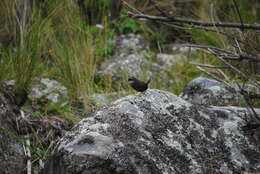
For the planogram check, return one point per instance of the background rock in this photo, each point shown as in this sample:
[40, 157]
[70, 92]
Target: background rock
[131, 65]
[49, 89]
[205, 91]
[129, 44]
[133, 58]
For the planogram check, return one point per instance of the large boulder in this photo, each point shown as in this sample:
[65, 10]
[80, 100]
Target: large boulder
[207, 92]
[157, 132]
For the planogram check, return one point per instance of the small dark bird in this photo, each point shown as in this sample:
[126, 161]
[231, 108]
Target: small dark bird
[138, 85]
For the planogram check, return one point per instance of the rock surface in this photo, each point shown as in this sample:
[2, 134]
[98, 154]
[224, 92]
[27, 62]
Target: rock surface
[129, 44]
[133, 58]
[131, 65]
[157, 132]
[205, 91]
[52, 90]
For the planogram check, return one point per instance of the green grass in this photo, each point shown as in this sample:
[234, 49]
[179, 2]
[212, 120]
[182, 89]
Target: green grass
[22, 61]
[58, 42]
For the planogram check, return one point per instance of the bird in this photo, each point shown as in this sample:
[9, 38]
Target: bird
[138, 85]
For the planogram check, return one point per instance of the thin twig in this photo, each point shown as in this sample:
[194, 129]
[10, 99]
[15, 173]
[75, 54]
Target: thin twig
[248, 102]
[233, 68]
[228, 54]
[131, 7]
[223, 74]
[206, 72]
[214, 77]
[163, 13]
[29, 155]
[238, 46]
[209, 66]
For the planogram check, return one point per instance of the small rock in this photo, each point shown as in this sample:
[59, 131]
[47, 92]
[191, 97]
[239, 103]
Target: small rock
[129, 44]
[205, 91]
[51, 90]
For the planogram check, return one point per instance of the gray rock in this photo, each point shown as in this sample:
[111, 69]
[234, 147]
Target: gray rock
[129, 44]
[205, 91]
[130, 65]
[52, 90]
[168, 60]
[128, 59]
[157, 132]
[179, 49]
[182, 49]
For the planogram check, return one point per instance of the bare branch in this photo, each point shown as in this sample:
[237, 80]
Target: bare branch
[227, 54]
[208, 73]
[238, 12]
[248, 102]
[163, 13]
[209, 66]
[214, 77]
[195, 22]
[238, 71]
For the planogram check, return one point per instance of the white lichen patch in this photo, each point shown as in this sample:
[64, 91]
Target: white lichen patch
[214, 133]
[180, 104]
[237, 157]
[98, 126]
[135, 115]
[137, 118]
[194, 166]
[169, 141]
[85, 127]
[230, 127]
[215, 89]
[196, 126]
[206, 116]
[162, 100]
[165, 168]
[224, 169]
[100, 145]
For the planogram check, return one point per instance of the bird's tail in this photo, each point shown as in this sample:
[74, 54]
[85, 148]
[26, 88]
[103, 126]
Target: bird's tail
[149, 80]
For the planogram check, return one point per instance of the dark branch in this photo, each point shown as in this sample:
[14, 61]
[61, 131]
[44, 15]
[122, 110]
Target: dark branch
[248, 102]
[225, 53]
[195, 22]
[238, 12]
